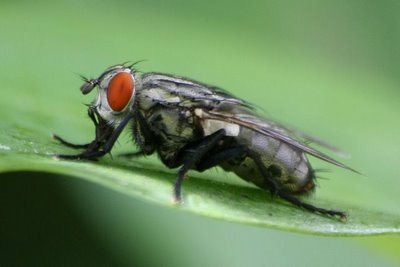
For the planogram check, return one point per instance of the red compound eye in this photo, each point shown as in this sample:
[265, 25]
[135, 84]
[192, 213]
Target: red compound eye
[120, 90]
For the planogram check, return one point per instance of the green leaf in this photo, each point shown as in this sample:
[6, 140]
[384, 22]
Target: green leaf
[40, 96]
[21, 151]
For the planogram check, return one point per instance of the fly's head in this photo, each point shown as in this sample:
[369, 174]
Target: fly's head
[116, 93]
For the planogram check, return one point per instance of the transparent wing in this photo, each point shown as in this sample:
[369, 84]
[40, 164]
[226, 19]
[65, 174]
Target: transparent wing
[305, 138]
[277, 131]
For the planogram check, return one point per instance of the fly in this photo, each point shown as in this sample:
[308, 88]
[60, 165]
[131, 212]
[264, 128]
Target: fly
[195, 126]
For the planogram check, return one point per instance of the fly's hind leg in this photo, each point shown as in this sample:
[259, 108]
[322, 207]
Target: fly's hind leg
[240, 151]
[295, 201]
[291, 198]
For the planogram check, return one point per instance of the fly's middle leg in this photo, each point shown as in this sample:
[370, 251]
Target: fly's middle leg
[221, 157]
[193, 156]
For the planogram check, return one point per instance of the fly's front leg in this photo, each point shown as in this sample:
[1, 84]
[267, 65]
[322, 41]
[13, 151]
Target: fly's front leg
[130, 155]
[106, 136]
[68, 144]
[92, 116]
[102, 133]
[142, 137]
[94, 149]
[193, 156]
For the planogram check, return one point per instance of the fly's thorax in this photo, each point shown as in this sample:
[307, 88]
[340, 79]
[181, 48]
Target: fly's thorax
[151, 97]
[173, 123]
[172, 130]
[117, 88]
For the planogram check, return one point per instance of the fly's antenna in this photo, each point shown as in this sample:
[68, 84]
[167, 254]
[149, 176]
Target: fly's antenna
[132, 65]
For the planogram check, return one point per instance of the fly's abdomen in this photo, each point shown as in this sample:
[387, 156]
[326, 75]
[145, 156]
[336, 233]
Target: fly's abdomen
[287, 166]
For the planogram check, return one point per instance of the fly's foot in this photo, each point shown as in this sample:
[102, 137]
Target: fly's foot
[177, 201]
[92, 150]
[299, 203]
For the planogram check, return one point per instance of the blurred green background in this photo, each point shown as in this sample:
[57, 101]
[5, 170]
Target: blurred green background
[330, 68]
